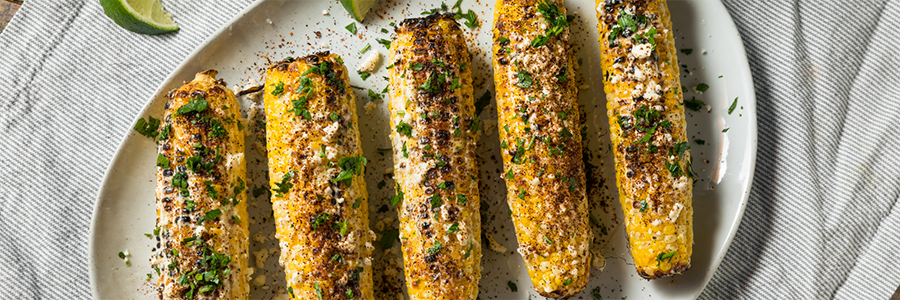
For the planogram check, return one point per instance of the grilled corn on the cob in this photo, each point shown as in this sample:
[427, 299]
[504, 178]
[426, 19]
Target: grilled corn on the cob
[648, 132]
[537, 106]
[316, 172]
[434, 139]
[201, 233]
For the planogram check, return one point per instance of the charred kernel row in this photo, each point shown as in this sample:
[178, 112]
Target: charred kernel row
[647, 128]
[538, 114]
[201, 233]
[316, 171]
[434, 139]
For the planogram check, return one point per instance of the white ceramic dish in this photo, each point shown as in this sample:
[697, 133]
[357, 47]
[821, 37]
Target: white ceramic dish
[273, 29]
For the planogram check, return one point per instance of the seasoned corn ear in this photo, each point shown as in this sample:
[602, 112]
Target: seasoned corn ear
[316, 173]
[648, 132]
[201, 207]
[537, 107]
[434, 134]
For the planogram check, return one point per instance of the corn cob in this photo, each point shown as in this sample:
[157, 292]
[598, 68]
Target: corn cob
[316, 172]
[537, 107]
[201, 212]
[434, 139]
[648, 132]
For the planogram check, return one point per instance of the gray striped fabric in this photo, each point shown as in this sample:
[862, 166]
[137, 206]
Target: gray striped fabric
[71, 82]
[822, 220]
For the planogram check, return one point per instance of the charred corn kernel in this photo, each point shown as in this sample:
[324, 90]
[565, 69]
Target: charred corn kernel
[201, 210]
[434, 134]
[537, 107]
[316, 170]
[648, 132]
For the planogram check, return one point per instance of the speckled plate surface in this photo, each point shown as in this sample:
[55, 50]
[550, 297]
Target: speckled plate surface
[273, 29]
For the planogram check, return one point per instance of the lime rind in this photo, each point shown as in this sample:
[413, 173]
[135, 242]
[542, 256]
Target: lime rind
[140, 16]
[358, 8]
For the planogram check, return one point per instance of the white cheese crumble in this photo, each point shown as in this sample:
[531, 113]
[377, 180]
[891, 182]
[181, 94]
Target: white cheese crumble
[370, 106]
[676, 211]
[330, 131]
[642, 51]
[680, 183]
[369, 64]
[199, 230]
[325, 12]
[639, 74]
[638, 90]
[598, 261]
[259, 237]
[259, 280]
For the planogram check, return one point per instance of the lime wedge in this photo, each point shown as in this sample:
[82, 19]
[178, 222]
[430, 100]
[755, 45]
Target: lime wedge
[141, 16]
[358, 8]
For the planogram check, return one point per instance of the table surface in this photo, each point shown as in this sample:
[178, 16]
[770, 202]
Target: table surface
[7, 10]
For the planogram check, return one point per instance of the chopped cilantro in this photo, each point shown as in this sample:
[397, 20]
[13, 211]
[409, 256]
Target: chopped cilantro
[351, 28]
[435, 248]
[388, 237]
[285, 185]
[349, 166]
[471, 18]
[373, 96]
[674, 169]
[665, 256]
[733, 106]
[693, 104]
[702, 87]
[482, 102]
[278, 90]
[216, 129]
[384, 42]
[196, 105]
[435, 200]
[398, 197]
[453, 228]
[162, 161]
[461, 199]
[211, 215]
[525, 80]
[431, 84]
[148, 128]
[404, 129]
